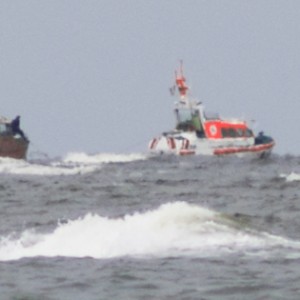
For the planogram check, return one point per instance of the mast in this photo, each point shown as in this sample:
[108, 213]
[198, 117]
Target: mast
[195, 108]
[181, 83]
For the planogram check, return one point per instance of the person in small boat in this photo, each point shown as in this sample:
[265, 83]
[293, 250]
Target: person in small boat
[259, 139]
[15, 126]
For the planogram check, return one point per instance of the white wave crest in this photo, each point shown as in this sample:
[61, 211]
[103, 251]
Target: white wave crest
[172, 229]
[22, 167]
[291, 177]
[81, 157]
[72, 164]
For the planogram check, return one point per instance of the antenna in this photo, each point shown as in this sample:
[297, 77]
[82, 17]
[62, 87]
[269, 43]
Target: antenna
[181, 82]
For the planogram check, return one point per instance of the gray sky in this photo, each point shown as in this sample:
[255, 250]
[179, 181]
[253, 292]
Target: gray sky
[93, 76]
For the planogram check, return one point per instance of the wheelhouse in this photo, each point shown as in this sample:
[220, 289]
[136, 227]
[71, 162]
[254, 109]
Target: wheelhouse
[221, 129]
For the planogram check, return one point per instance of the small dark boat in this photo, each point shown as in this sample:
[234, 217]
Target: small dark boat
[13, 142]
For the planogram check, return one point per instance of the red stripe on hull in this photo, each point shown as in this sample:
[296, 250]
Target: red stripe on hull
[253, 149]
[186, 152]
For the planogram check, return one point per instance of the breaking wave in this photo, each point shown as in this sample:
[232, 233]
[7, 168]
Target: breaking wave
[173, 229]
[73, 163]
[291, 177]
[84, 158]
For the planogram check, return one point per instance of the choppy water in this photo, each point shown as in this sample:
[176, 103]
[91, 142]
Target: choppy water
[112, 226]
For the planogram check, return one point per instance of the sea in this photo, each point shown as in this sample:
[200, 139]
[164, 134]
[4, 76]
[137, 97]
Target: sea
[133, 226]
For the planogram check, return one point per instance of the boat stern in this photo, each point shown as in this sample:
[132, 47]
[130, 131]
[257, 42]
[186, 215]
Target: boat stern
[171, 145]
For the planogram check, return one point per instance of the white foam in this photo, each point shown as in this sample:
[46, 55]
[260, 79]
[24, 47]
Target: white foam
[291, 177]
[172, 229]
[22, 167]
[73, 163]
[81, 157]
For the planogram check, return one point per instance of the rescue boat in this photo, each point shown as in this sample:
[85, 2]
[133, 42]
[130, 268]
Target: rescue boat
[13, 144]
[198, 133]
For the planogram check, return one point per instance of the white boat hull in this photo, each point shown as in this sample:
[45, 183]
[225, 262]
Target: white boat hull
[185, 143]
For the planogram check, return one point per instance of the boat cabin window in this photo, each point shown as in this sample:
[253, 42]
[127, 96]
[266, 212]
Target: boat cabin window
[234, 133]
[188, 119]
[228, 132]
[249, 133]
[240, 132]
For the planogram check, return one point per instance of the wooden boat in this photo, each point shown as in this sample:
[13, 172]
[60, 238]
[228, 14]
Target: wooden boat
[13, 142]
